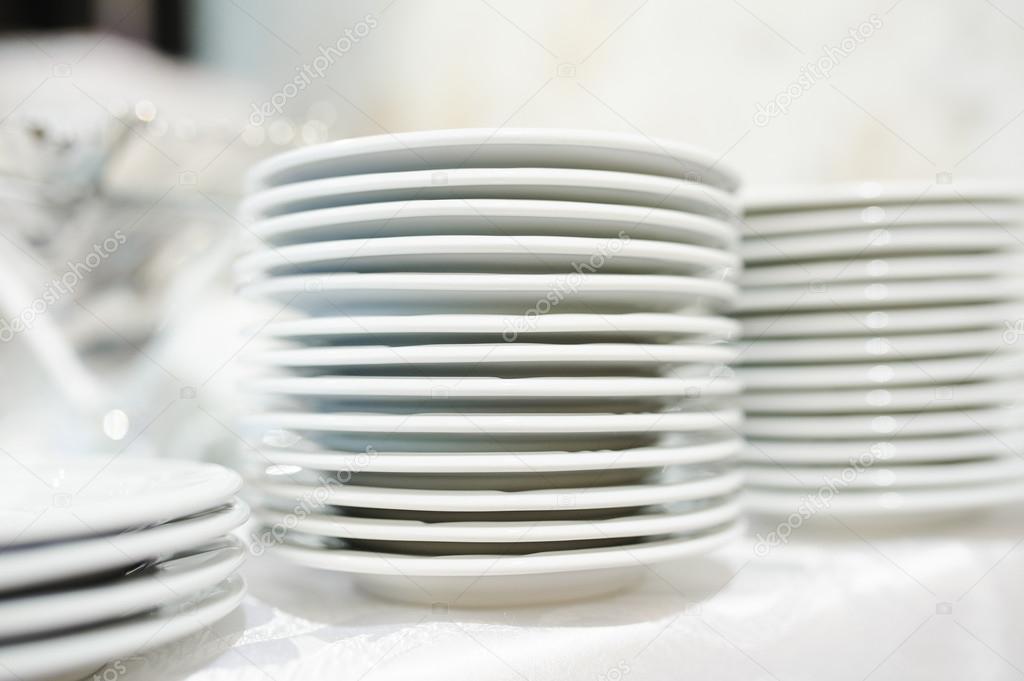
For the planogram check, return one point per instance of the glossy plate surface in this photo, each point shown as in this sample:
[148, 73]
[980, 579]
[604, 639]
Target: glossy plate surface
[46, 500]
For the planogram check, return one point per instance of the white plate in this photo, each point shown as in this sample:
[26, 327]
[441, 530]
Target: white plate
[928, 372]
[489, 501]
[870, 193]
[550, 184]
[418, 293]
[880, 215]
[954, 474]
[828, 272]
[495, 147]
[526, 424]
[501, 217]
[472, 253]
[52, 499]
[873, 348]
[885, 399]
[876, 295]
[504, 432]
[590, 328]
[883, 241]
[891, 505]
[1001, 316]
[490, 356]
[63, 561]
[176, 578]
[896, 451]
[505, 482]
[863, 426]
[487, 390]
[498, 462]
[492, 580]
[644, 524]
[80, 652]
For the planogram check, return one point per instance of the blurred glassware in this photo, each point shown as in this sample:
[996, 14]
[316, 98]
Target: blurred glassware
[113, 253]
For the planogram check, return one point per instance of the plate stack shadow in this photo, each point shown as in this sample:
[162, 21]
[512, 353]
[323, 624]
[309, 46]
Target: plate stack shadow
[503, 375]
[103, 559]
[882, 354]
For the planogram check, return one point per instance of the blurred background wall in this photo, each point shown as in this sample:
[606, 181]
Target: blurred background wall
[889, 88]
[934, 86]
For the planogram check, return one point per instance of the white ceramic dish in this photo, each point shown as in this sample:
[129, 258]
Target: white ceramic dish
[878, 295]
[505, 482]
[484, 357]
[174, 579]
[883, 241]
[954, 474]
[79, 652]
[501, 217]
[550, 184]
[826, 451]
[490, 432]
[488, 501]
[494, 580]
[472, 253]
[524, 425]
[1001, 316]
[487, 390]
[644, 524]
[892, 505]
[420, 293]
[884, 270]
[918, 398]
[868, 375]
[882, 425]
[40, 564]
[507, 462]
[881, 215]
[47, 500]
[579, 328]
[874, 348]
[871, 193]
[494, 147]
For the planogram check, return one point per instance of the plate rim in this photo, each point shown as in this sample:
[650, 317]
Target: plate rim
[483, 532]
[366, 562]
[718, 484]
[722, 174]
[214, 486]
[99, 644]
[714, 202]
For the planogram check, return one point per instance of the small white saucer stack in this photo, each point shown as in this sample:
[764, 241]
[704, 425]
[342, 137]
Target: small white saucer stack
[882, 356]
[102, 559]
[505, 383]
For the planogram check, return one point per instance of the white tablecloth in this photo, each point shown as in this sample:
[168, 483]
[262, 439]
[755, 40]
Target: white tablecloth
[938, 603]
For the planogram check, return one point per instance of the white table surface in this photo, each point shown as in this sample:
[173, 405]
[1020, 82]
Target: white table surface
[834, 603]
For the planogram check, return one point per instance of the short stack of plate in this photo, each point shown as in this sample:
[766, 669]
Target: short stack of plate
[103, 559]
[882, 359]
[504, 382]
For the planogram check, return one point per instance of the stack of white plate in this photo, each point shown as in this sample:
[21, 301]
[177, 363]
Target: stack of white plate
[102, 559]
[884, 331]
[506, 380]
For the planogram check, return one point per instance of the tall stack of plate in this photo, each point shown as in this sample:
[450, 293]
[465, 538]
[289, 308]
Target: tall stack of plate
[504, 380]
[884, 331]
[102, 559]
